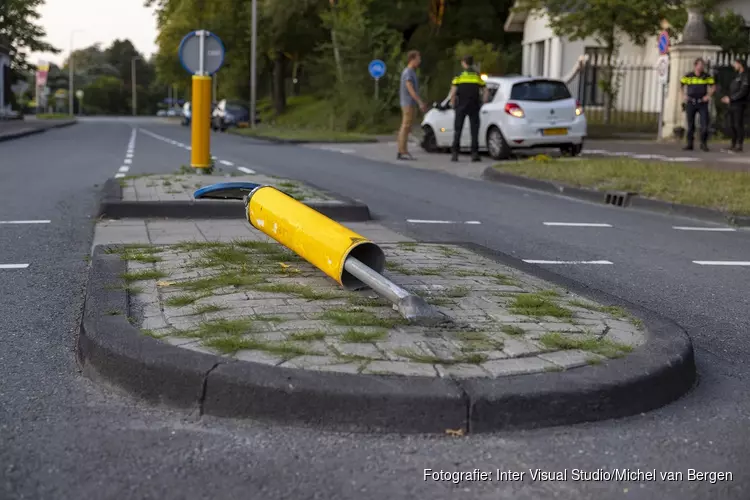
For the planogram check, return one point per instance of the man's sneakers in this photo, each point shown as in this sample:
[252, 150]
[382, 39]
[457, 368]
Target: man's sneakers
[474, 159]
[689, 147]
[405, 157]
[704, 147]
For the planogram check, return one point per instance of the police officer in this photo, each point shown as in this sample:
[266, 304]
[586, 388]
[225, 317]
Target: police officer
[468, 93]
[739, 91]
[697, 89]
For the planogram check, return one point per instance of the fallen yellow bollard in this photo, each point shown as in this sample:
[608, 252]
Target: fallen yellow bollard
[319, 240]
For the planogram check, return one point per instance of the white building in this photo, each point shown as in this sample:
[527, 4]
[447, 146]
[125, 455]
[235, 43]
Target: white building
[548, 55]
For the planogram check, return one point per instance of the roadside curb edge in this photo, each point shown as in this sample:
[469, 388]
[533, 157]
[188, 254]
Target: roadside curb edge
[112, 206]
[635, 201]
[33, 131]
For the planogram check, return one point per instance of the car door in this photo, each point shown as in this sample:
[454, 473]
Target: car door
[444, 123]
[487, 115]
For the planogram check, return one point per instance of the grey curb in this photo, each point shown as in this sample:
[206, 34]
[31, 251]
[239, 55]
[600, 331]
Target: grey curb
[38, 130]
[278, 140]
[110, 347]
[634, 200]
[112, 206]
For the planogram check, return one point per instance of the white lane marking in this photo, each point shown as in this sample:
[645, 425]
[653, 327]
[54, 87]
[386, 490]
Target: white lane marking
[13, 266]
[227, 163]
[128, 155]
[246, 170]
[123, 169]
[568, 262]
[25, 221]
[577, 224]
[717, 229]
[722, 262]
[422, 221]
[119, 176]
[127, 161]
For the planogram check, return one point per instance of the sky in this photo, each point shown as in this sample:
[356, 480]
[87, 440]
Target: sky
[93, 21]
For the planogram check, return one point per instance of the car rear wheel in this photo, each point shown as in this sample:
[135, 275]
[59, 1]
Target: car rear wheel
[572, 150]
[496, 145]
[429, 141]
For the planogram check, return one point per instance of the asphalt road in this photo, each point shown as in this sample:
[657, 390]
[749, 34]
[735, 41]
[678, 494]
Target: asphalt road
[62, 436]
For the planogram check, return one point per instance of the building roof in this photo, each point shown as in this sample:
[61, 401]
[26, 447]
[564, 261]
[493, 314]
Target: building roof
[516, 19]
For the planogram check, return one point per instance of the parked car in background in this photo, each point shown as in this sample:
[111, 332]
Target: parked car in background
[172, 112]
[522, 113]
[185, 115]
[161, 112]
[229, 113]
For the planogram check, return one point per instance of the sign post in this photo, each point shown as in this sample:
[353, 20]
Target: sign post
[202, 54]
[377, 70]
[79, 95]
[662, 67]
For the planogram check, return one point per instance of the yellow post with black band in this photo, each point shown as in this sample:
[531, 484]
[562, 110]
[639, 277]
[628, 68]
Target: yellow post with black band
[322, 242]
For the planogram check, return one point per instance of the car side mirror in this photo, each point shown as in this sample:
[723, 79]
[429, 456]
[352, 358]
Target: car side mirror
[436, 105]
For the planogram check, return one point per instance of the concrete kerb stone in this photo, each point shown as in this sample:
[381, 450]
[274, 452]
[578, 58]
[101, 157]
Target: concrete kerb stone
[36, 130]
[635, 201]
[112, 206]
[293, 142]
[651, 376]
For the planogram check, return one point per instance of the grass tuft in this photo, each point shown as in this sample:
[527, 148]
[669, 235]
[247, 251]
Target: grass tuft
[603, 347]
[307, 336]
[302, 291]
[358, 337]
[181, 300]
[208, 308]
[536, 305]
[143, 275]
[512, 330]
[346, 317]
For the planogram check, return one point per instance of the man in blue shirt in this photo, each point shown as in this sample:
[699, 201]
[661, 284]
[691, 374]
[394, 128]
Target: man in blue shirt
[409, 101]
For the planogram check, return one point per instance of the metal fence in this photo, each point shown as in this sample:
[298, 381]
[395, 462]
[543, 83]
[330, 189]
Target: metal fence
[724, 73]
[637, 94]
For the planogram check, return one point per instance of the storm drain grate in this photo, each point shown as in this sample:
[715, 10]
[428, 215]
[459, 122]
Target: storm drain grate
[617, 199]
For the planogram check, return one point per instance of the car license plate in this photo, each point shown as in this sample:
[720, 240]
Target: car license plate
[243, 124]
[555, 131]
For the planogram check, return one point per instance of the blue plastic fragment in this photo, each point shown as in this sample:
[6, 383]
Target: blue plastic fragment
[226, 191]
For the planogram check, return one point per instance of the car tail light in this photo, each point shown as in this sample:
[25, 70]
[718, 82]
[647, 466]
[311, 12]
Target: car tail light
[579, 108]
[514, 109]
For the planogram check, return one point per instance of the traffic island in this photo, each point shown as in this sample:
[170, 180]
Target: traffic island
[246, 328]
[171, 195]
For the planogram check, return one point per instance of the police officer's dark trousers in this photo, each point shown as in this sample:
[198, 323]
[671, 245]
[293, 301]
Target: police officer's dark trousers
[737, 115]
[696, 106]
[461, 114]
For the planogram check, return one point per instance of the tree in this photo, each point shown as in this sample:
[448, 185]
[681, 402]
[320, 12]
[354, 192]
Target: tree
[21, 32]
[605, 21]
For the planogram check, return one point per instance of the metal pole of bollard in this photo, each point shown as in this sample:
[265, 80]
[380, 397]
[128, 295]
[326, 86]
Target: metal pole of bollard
[411, 307]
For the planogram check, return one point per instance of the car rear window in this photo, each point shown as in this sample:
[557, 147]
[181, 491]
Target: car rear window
[540, 91]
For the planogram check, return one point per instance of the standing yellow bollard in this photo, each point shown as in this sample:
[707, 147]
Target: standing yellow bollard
[200, 154]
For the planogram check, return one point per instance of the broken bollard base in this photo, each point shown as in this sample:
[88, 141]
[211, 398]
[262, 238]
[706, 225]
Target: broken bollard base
[417, 311]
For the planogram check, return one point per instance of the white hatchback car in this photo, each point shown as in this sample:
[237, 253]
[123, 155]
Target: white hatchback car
[522, 113]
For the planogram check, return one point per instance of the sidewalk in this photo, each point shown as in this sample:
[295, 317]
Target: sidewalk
[15, 129]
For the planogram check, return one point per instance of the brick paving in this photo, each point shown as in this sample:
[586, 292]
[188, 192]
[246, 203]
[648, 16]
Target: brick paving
[181, 186]
[225, 288]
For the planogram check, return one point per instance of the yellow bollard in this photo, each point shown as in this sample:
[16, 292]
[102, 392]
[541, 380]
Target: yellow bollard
[321, 241]
[200, 153]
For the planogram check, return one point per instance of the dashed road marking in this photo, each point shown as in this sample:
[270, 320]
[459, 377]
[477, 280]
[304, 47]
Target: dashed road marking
[577, 224]
[423, 221]
[13, 266]
[715, 229]
[639, 156]
[246, 170]
[722, 262]
[128, 160]
[25, 221]
[227, 163]
[568, 262]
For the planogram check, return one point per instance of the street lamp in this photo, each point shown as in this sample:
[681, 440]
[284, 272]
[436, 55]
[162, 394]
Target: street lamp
[253, 71]
[132, 77]
[70, 73]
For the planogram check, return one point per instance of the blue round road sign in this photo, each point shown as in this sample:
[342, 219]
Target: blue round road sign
[663, 42]
[377, 69]
[190, 52]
